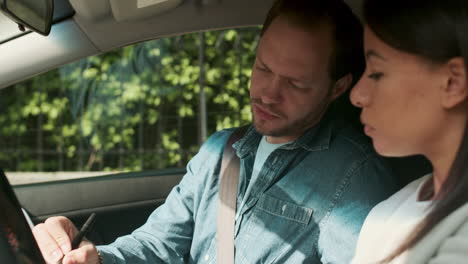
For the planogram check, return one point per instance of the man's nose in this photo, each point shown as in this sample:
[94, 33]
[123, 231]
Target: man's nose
[360, 94]
[271, 93]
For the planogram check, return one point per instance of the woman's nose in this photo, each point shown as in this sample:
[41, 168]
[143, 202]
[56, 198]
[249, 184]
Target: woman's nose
[360, 96]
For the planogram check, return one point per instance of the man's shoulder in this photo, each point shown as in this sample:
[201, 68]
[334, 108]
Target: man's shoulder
[211, 150]
[218, 139]
[222, 134]
[353, 152]
[348, 139]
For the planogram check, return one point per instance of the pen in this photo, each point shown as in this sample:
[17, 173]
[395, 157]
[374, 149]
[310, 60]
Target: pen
[83, 231]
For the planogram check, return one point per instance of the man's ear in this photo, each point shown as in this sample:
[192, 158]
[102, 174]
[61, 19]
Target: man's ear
[455, 91]
[341, 86]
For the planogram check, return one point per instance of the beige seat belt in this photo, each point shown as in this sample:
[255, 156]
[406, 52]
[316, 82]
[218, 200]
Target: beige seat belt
[229, 181]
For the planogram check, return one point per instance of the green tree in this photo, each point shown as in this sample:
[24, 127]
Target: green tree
[134, 108]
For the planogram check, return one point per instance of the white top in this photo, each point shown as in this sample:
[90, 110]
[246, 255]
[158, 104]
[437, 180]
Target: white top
[263, 152]
[389, 224]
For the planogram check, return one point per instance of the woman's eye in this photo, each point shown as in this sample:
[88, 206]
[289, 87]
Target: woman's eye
[375, 76]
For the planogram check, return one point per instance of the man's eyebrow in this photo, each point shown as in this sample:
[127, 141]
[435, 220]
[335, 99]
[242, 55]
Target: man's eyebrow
[372, 53]
[263, 64]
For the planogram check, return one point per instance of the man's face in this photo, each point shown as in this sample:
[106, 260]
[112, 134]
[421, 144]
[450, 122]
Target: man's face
[290, 86]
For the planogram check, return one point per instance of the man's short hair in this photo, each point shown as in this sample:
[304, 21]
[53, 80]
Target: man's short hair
[347, 56]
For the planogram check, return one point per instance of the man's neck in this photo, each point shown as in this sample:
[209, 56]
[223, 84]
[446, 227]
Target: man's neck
[280, 140]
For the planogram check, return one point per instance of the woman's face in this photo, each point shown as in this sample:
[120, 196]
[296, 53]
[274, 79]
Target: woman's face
[399, 94]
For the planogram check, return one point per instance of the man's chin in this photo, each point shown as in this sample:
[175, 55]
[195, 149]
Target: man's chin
[268, 130]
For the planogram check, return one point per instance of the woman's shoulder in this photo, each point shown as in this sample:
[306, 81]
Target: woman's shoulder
[457, 220]
[403, 194]
[386, 208]
[411, 187]
[446, 243]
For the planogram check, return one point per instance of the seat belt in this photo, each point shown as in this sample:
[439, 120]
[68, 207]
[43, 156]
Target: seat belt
[228, 185]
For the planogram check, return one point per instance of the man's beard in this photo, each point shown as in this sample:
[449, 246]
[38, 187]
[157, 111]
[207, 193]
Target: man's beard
[296, 128]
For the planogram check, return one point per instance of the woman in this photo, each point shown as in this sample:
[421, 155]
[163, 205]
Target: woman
[414, 100]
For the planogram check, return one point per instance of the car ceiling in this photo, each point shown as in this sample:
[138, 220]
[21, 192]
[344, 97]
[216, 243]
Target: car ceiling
[89, 27]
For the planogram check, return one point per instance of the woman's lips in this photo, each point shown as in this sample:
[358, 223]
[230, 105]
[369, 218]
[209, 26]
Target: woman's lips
[368, 130]
[263, 114]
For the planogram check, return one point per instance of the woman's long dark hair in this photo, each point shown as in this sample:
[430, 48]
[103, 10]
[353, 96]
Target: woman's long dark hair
[437, 31]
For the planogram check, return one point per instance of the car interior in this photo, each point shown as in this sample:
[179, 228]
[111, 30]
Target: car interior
[83, 28]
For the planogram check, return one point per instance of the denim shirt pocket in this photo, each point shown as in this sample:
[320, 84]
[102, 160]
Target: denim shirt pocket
[285, 209]
[278, 224]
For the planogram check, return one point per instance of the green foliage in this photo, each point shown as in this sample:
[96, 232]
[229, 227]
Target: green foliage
[131, 109]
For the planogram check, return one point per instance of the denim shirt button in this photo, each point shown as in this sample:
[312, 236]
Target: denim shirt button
[207, 257]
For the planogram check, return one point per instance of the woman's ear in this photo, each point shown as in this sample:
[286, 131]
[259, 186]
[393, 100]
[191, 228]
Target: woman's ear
[455, 91]
[341, 85]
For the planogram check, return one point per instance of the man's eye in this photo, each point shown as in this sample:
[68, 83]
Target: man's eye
[297, 85]
[375, 76]
[261, 68]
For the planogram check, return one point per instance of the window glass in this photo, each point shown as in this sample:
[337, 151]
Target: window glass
[141, 107]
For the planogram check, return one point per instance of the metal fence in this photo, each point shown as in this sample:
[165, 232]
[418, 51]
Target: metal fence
[36, 146]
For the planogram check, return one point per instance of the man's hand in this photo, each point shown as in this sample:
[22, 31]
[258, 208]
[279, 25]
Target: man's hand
[54, 238]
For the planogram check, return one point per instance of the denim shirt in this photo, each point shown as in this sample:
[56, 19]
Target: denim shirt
[307, 205]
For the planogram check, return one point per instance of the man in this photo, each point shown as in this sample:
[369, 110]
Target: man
[307, 179]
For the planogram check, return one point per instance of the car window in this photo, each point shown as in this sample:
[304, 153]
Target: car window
[147, 106]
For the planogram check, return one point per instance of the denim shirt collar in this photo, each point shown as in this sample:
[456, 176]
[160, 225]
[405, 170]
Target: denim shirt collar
[316, 138]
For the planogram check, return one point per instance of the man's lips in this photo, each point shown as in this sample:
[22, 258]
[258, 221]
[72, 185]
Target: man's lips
[263, 113]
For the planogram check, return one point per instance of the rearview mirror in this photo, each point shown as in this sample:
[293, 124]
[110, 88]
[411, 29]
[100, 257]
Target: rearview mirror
[36, 15]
